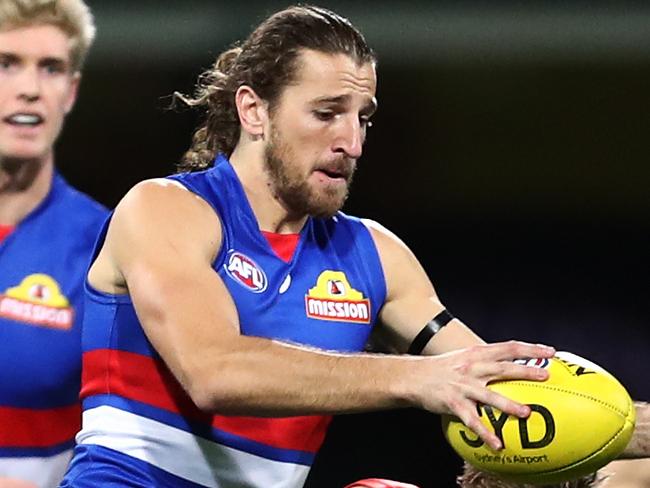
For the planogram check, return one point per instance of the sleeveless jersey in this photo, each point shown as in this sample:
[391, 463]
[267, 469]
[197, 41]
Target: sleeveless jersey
[138, 423]
[42, 267]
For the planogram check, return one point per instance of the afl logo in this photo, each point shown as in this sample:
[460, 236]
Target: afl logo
[246, 272]
[541, 363]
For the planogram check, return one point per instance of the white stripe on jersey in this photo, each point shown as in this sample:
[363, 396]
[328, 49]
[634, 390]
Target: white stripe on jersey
[45, 472]
[185, 455]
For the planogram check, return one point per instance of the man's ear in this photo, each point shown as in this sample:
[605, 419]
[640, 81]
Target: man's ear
[75, 79]
[252, 111]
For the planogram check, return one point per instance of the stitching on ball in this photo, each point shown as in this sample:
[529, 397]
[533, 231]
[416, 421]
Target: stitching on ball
[563, 390]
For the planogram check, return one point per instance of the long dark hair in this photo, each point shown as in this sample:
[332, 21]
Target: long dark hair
[266, 62]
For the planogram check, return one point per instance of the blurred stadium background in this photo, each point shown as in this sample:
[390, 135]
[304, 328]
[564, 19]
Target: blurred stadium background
[510, 151]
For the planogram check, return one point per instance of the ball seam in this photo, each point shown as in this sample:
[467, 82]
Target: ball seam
[583, 395]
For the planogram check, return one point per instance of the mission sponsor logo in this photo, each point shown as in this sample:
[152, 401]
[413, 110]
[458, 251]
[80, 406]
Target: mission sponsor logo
[246, 272]
[333, 298]
[37, 300]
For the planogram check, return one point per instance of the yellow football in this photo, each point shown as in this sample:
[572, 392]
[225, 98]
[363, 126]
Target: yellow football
[581, 419]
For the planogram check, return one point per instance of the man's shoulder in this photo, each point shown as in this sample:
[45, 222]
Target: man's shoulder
[343, 226]
[342, 218]
[381, 236]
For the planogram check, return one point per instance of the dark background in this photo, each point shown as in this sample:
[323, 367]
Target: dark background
[510, 152]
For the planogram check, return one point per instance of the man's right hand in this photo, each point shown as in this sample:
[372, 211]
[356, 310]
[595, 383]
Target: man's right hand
[458, 381]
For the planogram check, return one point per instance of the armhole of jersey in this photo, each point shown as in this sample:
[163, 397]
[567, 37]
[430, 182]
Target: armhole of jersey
[91, 292]
[368, 224]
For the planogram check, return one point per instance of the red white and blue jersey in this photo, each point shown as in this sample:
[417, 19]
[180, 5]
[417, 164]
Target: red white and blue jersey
[138, 423]
[43, 262]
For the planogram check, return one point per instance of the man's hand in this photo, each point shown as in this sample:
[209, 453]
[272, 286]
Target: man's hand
[459, 379]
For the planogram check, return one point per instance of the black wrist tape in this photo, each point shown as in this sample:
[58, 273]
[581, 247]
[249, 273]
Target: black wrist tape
[428, 331]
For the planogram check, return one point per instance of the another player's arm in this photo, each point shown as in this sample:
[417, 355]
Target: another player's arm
[628, 473]
[639, 445]
[160, 247]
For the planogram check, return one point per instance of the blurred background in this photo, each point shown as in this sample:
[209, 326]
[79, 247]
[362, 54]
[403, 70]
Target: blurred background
[510, 152]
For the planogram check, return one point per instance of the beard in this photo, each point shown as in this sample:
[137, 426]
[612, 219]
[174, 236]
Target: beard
[290, 185]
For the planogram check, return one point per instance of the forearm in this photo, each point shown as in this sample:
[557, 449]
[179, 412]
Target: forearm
[266, 378]
[639, 446]
[226, 372]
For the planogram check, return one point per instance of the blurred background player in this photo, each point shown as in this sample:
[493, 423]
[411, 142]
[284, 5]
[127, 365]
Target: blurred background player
[474, 478]
[47, 229]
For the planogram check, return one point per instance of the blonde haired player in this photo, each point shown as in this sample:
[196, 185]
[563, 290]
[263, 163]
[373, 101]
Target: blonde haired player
[46, 232]
[473, 478]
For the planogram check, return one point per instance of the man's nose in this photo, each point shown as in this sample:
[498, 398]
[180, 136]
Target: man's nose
[350, 138]
[29, 85]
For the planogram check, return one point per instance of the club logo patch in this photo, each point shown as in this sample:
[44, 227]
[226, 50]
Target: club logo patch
[333, 298]
[37, 300]
[246, 272]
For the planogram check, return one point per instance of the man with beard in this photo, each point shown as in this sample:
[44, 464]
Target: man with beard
[228, 306]
[47, 230]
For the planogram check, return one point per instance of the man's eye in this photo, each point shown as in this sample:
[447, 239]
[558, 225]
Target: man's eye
[53, 69]
[324, 114]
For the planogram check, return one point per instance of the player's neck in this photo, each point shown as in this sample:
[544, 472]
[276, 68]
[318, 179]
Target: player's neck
[271, 215]
[23, 185]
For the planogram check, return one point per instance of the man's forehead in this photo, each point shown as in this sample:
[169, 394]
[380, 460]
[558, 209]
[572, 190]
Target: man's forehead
[37, 41]
[335, 73]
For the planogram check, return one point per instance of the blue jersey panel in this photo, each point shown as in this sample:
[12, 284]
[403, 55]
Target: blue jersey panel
[327, 296]
[43, 263]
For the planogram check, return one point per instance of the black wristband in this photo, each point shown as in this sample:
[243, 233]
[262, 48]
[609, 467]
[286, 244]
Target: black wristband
[428, 331]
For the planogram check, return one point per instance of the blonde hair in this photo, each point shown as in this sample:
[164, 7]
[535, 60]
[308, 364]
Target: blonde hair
[473, 478]
[73, 17]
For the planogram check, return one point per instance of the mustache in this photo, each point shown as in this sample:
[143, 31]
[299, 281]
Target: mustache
[342, 165]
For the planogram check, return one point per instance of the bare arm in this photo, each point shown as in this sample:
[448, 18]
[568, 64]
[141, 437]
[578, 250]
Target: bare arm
[639, 446]
[161, 242]
[629, 473]
[160, 246]
[412, 301]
